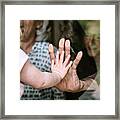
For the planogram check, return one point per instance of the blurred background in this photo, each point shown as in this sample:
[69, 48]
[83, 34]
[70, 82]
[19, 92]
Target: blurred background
[92, 29]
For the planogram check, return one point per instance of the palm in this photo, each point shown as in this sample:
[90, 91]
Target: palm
[70, 82]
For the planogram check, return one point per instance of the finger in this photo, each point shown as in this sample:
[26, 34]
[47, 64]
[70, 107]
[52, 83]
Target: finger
[51, 52]
[69, 65]
[77, 60]
[57, 57]
[61, 45]
[52, 63]
[67, 48]
[62, 57]
[66, 60]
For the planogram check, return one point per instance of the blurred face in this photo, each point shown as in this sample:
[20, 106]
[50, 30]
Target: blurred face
[92, 44]
[27, 30]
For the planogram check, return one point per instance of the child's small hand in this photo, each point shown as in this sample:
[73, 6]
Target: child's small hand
[61, 66]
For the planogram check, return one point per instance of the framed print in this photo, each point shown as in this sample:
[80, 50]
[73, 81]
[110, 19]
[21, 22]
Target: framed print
[59, 59]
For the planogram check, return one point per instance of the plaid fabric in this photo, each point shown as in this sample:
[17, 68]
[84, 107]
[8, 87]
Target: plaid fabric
[39, 56]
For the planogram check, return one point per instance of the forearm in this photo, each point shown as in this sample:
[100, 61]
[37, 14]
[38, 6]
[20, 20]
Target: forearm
[45, 80]
[84, 85]
[32, 76]
[49, 80]
[88, 83]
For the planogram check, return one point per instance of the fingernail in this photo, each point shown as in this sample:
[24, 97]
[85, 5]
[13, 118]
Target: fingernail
[50, 45]
[62, 39]
[80, 53]
[61, 42]
[67, 42]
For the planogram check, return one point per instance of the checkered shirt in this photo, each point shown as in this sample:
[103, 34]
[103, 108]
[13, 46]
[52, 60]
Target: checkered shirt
[39, 56]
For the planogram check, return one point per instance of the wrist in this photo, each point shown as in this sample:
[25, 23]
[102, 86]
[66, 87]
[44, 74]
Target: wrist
[56, 76]
[84, 85]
